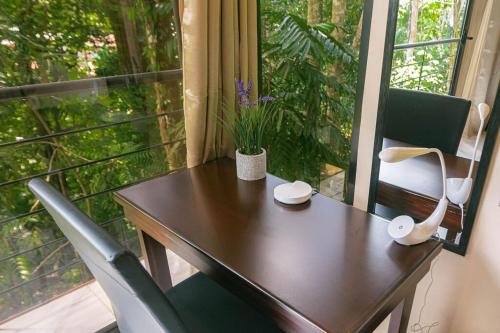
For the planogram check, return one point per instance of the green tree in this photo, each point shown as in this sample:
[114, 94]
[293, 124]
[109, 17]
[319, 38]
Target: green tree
[427, 68]
[312, 74]
[53, 41]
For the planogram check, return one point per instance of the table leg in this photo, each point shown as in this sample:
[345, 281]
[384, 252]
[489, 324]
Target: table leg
[451, 236]
[400, 316]
[155, 257]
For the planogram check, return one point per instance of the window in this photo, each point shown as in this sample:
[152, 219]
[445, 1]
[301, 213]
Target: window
[429, 42]
[90, 98]
[310, 65]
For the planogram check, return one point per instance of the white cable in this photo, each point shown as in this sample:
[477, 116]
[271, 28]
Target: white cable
[476, 144]
[417, 327]
[461, 205]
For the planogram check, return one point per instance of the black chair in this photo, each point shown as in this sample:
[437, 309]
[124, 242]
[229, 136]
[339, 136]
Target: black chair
[424, 119]
[197, 304]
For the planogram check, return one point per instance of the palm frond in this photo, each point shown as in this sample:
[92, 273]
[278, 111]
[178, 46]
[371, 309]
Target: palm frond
[302, 40]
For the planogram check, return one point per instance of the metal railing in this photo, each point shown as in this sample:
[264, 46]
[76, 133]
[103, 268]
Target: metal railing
[93, 84]
[431, 68]
[103, 224]
[428, 43]
[96, 86]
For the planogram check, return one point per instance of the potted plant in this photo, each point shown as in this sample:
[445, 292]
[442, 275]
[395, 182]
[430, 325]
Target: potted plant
[248, 126]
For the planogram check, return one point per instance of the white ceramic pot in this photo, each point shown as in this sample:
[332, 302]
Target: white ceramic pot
[251, 167]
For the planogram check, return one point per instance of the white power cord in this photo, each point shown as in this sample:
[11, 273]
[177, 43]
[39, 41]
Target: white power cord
[461, 205]
[417, 327]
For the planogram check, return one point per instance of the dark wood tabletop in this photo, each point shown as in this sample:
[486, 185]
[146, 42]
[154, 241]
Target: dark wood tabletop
[414, 186]
[321, 266]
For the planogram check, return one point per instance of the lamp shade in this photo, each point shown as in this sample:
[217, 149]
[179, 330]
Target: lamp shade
[483, 109]
[398, 154]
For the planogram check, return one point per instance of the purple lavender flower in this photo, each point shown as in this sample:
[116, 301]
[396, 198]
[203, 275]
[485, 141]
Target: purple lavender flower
[266, 98]
[244, 94]
[240, 86]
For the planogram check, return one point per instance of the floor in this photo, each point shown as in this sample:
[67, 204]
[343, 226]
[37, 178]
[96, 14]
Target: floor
[85, 310]
[333, 185]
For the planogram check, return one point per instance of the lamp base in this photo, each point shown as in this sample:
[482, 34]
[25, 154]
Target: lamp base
[458, 189]
[401, 228]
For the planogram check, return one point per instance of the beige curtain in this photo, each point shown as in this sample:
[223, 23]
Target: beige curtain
[219, 45]
[481, 82]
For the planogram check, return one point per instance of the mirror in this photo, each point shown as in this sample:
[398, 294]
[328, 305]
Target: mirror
[441, 92]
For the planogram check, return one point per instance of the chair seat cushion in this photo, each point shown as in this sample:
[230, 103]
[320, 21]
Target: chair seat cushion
[205, 306]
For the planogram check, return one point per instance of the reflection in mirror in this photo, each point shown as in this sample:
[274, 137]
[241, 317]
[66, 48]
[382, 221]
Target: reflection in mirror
[442, 87]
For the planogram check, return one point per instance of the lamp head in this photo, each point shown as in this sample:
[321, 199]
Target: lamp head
[483, 110]
[398, 154]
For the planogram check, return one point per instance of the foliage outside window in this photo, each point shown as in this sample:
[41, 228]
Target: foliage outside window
[310, 60]
[99, 139]
[428, 68]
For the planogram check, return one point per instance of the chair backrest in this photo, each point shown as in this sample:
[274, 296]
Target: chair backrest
[139, 305]
[425, 119]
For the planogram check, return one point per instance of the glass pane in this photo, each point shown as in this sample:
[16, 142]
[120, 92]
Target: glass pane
[310, 65]
[427, 67]
[48, 41]
[90, 100]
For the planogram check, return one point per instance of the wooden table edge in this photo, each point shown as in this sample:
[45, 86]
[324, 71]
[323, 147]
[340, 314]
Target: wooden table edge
[399, 291]
[451, 206]
[451, 209]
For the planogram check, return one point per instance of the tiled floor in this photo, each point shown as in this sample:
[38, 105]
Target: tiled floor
[333, 186]
[84, 310]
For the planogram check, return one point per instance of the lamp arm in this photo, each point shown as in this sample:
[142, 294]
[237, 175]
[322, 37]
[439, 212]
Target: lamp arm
[476, 144]
[403, 228]
[443, 169]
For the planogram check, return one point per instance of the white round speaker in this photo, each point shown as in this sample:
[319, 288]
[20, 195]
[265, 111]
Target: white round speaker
[293, 193]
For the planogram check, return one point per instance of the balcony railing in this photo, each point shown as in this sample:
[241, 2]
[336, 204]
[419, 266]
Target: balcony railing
[425, 66]
[90, 138]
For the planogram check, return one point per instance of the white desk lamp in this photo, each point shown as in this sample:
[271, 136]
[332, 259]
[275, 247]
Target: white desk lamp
[459, 188]
[403, 229]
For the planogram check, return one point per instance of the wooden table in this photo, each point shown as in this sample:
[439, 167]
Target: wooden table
[414, 186]
[318, 267]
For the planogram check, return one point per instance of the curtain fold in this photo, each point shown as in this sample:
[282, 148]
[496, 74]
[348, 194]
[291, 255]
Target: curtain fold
[219, 46]
[482, 78]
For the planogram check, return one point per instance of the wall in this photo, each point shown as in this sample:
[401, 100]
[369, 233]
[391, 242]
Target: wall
[465, 294]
